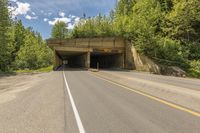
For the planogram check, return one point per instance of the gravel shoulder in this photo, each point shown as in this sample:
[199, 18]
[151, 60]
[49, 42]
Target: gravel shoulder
[32, 103]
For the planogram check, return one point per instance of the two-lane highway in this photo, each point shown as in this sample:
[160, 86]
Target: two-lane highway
[79, 101]
[104, 107]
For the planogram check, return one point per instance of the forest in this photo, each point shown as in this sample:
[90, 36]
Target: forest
[167, 31]
[20, 47]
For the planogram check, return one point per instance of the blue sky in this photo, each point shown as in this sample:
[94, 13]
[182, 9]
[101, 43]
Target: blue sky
[42, 14]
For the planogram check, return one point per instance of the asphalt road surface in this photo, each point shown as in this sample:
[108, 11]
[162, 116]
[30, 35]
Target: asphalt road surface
[77, 101]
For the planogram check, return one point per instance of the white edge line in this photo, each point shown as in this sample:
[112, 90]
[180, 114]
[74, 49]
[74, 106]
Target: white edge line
[78, 119]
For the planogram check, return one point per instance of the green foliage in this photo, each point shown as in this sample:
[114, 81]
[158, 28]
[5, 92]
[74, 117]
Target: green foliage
[33, 54]
[44, 69]
[194, 70]
[124, 7]
[19, 37]
[6, 46]
[59, 30]
[167, 31]
[194, 50]
[20, 47]
[99, 26]
[183, 21]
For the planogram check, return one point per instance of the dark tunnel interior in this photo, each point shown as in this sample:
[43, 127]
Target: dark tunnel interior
[97, 60]
[75, 61]
[104, 61]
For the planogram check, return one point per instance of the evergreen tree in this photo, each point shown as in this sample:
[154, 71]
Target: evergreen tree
[34, 53]
[59, 30]
[5, 37]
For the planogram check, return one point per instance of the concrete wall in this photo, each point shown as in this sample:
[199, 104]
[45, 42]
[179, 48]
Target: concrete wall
[88, 42]
[136, 61]
[143, 63]
[129, 59]
[57, 60]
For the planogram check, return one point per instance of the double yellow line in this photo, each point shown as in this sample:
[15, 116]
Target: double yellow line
[150, 97]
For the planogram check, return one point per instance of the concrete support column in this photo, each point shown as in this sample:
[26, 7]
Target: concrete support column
[57, 61]
[129, 61]
[123, 61]
[120, 61]
[87, 60]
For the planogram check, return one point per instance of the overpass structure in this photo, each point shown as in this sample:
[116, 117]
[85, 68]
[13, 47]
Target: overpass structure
[91, 52]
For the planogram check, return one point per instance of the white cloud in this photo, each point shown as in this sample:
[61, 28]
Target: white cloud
[71, 20]
[63, 19]
[70, 26]
[30, 17]
[61, 14]
[22, 8]
[77, 19]
[72, 16]
[19, 9]
[45, 19]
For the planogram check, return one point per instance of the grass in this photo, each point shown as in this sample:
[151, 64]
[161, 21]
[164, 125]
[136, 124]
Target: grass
[45, 69]
[193, 73]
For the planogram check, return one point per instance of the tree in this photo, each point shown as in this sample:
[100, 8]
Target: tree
[34, 53]
[124, 7]
[5, 37]
[19, 36]
[59, 30]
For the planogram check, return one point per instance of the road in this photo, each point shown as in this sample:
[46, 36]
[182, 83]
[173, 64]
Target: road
[82, 102]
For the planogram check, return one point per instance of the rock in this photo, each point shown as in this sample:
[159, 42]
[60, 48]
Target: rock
[173, 71]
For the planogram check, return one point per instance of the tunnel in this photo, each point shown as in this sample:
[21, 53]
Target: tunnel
[73, 59]
[106, 60]
[99, 60]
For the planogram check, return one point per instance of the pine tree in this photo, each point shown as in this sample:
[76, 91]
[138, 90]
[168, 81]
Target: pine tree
[124, 7]
[59, 30]
[5, 36]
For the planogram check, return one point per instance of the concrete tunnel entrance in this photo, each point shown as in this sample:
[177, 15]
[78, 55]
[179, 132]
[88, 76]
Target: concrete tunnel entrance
[106, 60]
[73, 59]
[91, 59]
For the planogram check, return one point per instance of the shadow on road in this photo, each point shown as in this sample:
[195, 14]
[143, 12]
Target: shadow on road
[67, 68]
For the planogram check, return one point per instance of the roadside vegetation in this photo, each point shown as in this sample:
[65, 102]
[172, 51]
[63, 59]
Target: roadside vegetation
[45, 69]
[20, 48]
[167, 31]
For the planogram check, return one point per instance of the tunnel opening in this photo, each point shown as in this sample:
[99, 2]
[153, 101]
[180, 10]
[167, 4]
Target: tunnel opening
[106, 60]
[77, 61]
[73, 59]
[99, 60]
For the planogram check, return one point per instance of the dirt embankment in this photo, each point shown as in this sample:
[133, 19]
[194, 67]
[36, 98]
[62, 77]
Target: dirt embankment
[10, 82]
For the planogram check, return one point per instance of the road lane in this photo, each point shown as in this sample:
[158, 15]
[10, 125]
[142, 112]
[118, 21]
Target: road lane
[44, 107]
[189, 83]
[76, 114]
[107, 108]
[187, 97]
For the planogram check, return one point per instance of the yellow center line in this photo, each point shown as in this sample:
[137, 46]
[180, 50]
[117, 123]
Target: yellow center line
[149, 96]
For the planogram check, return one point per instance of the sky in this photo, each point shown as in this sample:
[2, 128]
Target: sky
[41, 15]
